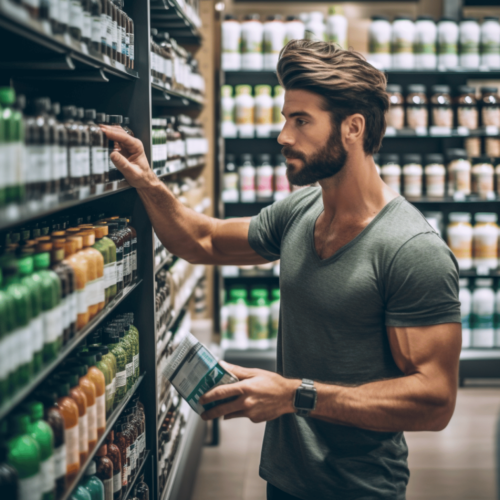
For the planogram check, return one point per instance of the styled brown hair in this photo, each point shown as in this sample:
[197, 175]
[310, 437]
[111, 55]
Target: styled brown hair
[345, 80]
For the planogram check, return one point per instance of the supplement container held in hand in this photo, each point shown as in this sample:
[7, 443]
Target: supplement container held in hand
[193, 370]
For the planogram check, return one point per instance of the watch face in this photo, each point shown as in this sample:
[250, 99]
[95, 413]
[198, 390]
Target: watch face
[305, 399]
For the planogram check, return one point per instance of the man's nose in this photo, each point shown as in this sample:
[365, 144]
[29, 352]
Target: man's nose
[286, 137]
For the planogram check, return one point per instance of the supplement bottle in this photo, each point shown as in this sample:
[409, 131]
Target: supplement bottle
[396, 113]
[485, 241]
[490, 107]
[113, 453]
[244, 111]
[336, 26]
[114, 173]
[246, 173]
[467, 112]
[315, 27]
[470, 36]
[379, 40]
[258, 315]
[483, 177]
[84, 150]
[97, 152]
[459, 172]
[75, 139]
[113, 343]
[80, 493]
[391, 171]
[273, 41]
[251, 43]
[230, 181]
[263, 111]
[264, 178]
[482, 314]
[228, 125]
[107, 367]
[92, 483]
[117, 238]
[447, 36]
[435, 176]
[490, 42]
[61, 154]
[403, 38]
[425, 43]
[95, 287]
[278, 103]
[465, 298]
[442, 112]
[459, 238]
[238, 316]
[416, 108]
[281, 184]
[102, 119]
[412, 175]
[294, 29]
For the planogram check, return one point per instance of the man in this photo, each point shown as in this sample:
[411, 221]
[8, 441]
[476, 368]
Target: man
[370, 331]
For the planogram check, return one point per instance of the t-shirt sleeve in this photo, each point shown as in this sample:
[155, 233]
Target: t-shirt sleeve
[422, 284]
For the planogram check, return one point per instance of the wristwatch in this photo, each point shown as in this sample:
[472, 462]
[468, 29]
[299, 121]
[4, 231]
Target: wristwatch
[305, 398]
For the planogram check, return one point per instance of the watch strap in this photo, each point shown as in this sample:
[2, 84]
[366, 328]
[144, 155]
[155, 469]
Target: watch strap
[307, 384]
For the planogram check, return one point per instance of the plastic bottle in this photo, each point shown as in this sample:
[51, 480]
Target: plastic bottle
[263, 110]
[259, 315]
[247, 179]
[264, 178]
[231, 43]
[113, 342]
[230, 192]
[294, 29]
[80, 493]
[7, 326]
[281, 184]
[447, 37]
[275, 314]
[102, 119]
[105, 365]
[92, 483]
[403, 38]
[412, 175]
[470, 37]
[391, 171]
[278, 103]
[104, 471]
[485, 241]
[460, 238]
[128, 347]
[336, 26]
[490, 42]
[274, 40]
[483, 309]
[244, 111]
[24, 457]
[251, 43]
[228, 125]
[315, 27]
[465, 298]
[425, 43]
[435, 176]
[238, 316]
[379, 35]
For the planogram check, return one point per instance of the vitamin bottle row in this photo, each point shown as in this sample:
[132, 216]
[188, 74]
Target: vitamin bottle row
[443, 109]
[255, 45]
[424, 45]
[246, 116]
[53, 281]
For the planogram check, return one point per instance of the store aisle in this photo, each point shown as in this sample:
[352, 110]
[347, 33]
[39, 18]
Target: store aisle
[456, 464]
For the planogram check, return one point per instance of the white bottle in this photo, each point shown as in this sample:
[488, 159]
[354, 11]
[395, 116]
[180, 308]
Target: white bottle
[231, 44]
[459, 232]
[379, 36]
[425, 43]
[447, 43]
[244, 111]
[336, 26]
[264, 180]
[274, 40]
[263, 111]
[238, 319]
[465, 298]
[281, 184]
[412, 176]
[251, 43]
[294, 29]
[483, 310]
[278, 103]
[228, 125]
[315, 27]
[391, 172]
[403, 38]
[247, 179]
[490, 42]
[230, 179]
[470, 36]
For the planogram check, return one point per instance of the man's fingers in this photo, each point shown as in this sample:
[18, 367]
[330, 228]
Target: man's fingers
[224, 409]
[222, 392]
[120, 162]
[119, 135]
[236, 414]
[238, 371]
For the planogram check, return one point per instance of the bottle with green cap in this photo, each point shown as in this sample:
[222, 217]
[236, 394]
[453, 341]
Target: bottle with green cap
[7, 328]
[92, 483]
[80, 493]
[26, 267]
[24, 457]
[275, 314]
[52, 306]
[114, 346]
[42, 433]
[259, 313]
[238, 316]
[21, 348]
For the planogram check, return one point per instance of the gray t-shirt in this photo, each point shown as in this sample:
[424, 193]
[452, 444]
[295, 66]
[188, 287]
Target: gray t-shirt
[333, 319]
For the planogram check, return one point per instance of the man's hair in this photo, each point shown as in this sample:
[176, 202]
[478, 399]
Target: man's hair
[345, 80]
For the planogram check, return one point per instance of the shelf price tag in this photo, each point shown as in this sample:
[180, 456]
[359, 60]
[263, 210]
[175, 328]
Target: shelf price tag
[390, 131]
[463, 131]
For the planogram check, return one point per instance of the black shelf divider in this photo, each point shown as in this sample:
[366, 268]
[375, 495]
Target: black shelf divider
[137, 474]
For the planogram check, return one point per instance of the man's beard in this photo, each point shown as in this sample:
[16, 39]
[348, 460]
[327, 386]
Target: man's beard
[327, 162]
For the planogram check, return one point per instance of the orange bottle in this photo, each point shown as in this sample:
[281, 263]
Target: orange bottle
[97, 377]
[78, 396]
[69, 411]
[79, 265]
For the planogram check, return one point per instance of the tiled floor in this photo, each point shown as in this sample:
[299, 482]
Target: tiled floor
[456, 464]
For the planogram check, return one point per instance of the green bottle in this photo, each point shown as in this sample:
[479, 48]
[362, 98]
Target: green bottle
[24, 456]
[259, 314]
[103, 248]
[42, 433]
[104, 364]
[116, 348]
[7, 326]
[129, 350]
[275, 314]
[22, 348]
[132, 334]
[92, 483]
[26, 267]
[81, 493]
[132, 329]
[110, 267]
[52, 306]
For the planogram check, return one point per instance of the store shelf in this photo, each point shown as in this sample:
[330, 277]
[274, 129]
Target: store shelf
[20, 395]
[36, 48]
[110, 422]
[137, 474]
[164, 96]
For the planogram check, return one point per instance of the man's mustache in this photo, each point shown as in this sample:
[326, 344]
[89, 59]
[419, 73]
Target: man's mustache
[289, 153]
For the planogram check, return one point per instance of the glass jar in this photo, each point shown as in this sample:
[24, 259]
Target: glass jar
[442, 112]
[459, 238]
[467, 115]
[391, 171]
[447, 37]
[425, 43]
[416, 107]
[379, 36]
[485, 241]
[490, 107]
[459, 172]
[435, 176]
[469, 35]
[403, 38]
[490, 42]
[412, 175]
[396, 113]
[482, 177]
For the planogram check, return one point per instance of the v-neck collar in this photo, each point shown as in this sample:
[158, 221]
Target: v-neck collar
[320, 209]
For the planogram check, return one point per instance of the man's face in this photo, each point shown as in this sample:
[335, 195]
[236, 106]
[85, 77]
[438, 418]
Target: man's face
[311, 144]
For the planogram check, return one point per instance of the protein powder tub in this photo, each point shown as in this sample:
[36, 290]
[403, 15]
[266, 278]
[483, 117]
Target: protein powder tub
[281, 184]
[459, 172]
[396, 113]
[459, 238]
[425, 43]
[403, 38]
[467, 115]
[294, 29]
[465, 298]
[435, 176]
[315, 27]
[485, 241]
[244, 111]
[391, 171]
[263, 111]
[490, 107]
[274, 40]
[482, 314]
[490, 42]
[417, 116]
[231, 43]
[228, 125]
[379, 40]
[442, 112]
[483, 177]
[470, 36]
[278, 103]
[246, 173]
[447, 36]
[251, 42]
[412, 175]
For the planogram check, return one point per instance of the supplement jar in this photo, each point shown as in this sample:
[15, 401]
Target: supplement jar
[244, 111]
[396, 113]
[447, 35]
[470, 35]
[281, 184]
[485, 241]
[467, 114]
[336, 26]
[274, 40]
[294, 29]
[403, 38]
[230, 181]
[459, 238]
[483, 177]
[278, 102]
[263, 111]
[490, 107]
[473, 146]
[264, 178]
[231, 43]
[442, 112]
[490, 42]
[379, 40]
[391, 171]
[459, 172]
[412, 175]
[251, 42]
[228, 125]
[425, 43]
[492, 146]
[483, 314]
[247, 173]
[416, 107]
[435, 176]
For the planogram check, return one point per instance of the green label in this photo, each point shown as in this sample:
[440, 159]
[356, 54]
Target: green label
[251, 48]
[424, 48]
[469, 48]
[380, 47]
[490, 47]
[447, 48]
[259, 327]
[402, 46]
[481, 321]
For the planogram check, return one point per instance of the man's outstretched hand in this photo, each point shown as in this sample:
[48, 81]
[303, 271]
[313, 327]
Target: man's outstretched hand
[260, 395]
[130, 159]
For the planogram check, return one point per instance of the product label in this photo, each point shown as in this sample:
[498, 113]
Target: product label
[263, 115]
[81, 301]
[265, 185]
[247, 182]
[491, 116]
[131, 48]
[244, 115]
[480, 321]
[84, 153]
[129, 370]
[413, 185]
[109, 31]
[442, 117]
[281, 182]
[118, 39]
[482, 183]
[119, 271]
[402, 46]
[101, 296]
[53, 327]
[124, 41]
[378, 46]
[86, 25]
[460, 243]
[90, 292]
[435, 184]
[104, 28]
[24, 338]
[446, 48]
[92, 422]
[100, 408]
[37, 333]
[460, 181]
[469, 47]
[74, 306]
[121, 379]
[114, 35]
[71, 442]
[108, 489]
[136, 362]
[75, 166]
[259, 323]
[39, 163]
[96, 29]
[113, 274]
[30, 488]
[117, 481]
[98, 158]
[485, 245]
[76, 14]
[59, 461]
[48, 474]
[134, 254]
[467, 117]
[64, 12]
[83, 433]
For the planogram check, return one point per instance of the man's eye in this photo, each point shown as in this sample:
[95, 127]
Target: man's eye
[301, 122]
